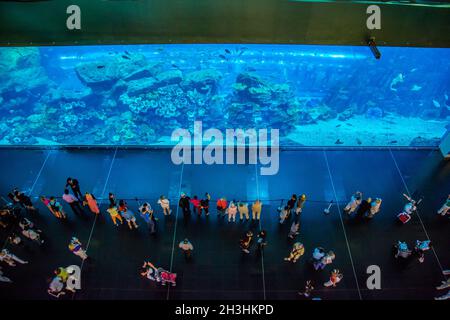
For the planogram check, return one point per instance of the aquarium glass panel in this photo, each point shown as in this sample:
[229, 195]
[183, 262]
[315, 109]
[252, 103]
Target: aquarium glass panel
[140, 94]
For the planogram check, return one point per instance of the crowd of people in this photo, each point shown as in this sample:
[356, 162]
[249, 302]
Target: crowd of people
[121, 214]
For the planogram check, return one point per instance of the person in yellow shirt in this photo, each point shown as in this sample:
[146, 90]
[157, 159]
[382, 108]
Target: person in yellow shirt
[115, 215]
[297, 251]
[256, 210]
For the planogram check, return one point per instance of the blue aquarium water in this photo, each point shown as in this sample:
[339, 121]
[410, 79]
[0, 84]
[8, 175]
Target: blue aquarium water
[139, 94]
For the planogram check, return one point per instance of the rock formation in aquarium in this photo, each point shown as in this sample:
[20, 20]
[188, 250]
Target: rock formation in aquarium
[137, 95]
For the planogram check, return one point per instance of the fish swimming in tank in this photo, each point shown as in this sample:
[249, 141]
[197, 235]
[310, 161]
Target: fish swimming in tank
[398, 79]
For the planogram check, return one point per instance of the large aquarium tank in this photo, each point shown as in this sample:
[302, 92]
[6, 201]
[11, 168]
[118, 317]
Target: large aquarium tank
[139, 94]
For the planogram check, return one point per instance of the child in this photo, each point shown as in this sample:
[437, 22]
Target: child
[308, 289]
[222, 206]
[402, 250]
[374, 208]
[187, 248]
[256, 210]
[76, 248]
[297, 251]
[46, 202]
[232, 210]
[420, 248]
[354, 202]
[246, 241]
[91, 202]
[445, 209]
[127, 215]
[57, 208]
[326, 260]
[204, 204]
[295, 227]
[165, 205]
[300, 204]
[243, 210]
[262, 239]
[335, 278]
[115, 215]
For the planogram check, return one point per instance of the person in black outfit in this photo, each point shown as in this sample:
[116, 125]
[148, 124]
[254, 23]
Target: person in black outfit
[204, 204]
[364, 207]
[24, 200]
[184, 204]
[291, 204]
[112, 199]
[75, 186]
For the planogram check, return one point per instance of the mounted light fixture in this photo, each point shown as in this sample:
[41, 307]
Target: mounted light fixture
[373, 47]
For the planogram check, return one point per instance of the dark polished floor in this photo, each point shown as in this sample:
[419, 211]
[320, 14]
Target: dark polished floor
[219, 270]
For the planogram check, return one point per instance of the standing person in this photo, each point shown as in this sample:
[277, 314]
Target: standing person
[187, 248]
[147, 214]
[24, 200]
[72, 201]
[326, 260]
[115, 215]
[246, 241]
[445, 207]
[318, 254]
[364, 207]
[335, 277]
[291, 204]
[46, 202]
[300, 204]
[76, 248]
[204, 204]
[232, 210]
[184, 204]
[294, 231]
[128, 215]
[297, 251]
[261, 239]
[256, 210]
[308, 289]
[374, 208]
[222, 205]
[57, 208]
[10, 259]
[165, 205]
[91, 202]
[75, 186]
[353, 203]
[112, 199]
[196, 203]
[243, 210]
[420, 248]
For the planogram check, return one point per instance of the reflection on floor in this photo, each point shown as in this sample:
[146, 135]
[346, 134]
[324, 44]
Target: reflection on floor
[219, 270]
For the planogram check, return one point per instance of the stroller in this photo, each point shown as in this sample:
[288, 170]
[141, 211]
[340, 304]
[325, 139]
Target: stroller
[158, 274]
[408, 210]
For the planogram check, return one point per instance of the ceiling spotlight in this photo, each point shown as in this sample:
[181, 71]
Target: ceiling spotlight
[373, 47]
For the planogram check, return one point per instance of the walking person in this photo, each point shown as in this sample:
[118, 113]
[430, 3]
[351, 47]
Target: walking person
[73, 202]
[325, 260]
[354, 202]
[185, 204]
[445, 209]
[204, 204]
[284, 213]
[222, 205]
[243, 210]
[46, 202]
[57, 208]
[76, 248]
[10, 259]
[246, 241]
[115, 215]
[291, 204]
[232, 210]
[165, 205]
[147, 214]
[297, 251]
[335, 277]
[256, 210]
[91, 202]
[24, 200]
[364, 207]
[187, 248]
[374, 208]
[75, 186]
[294, 231]
[112, 199]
